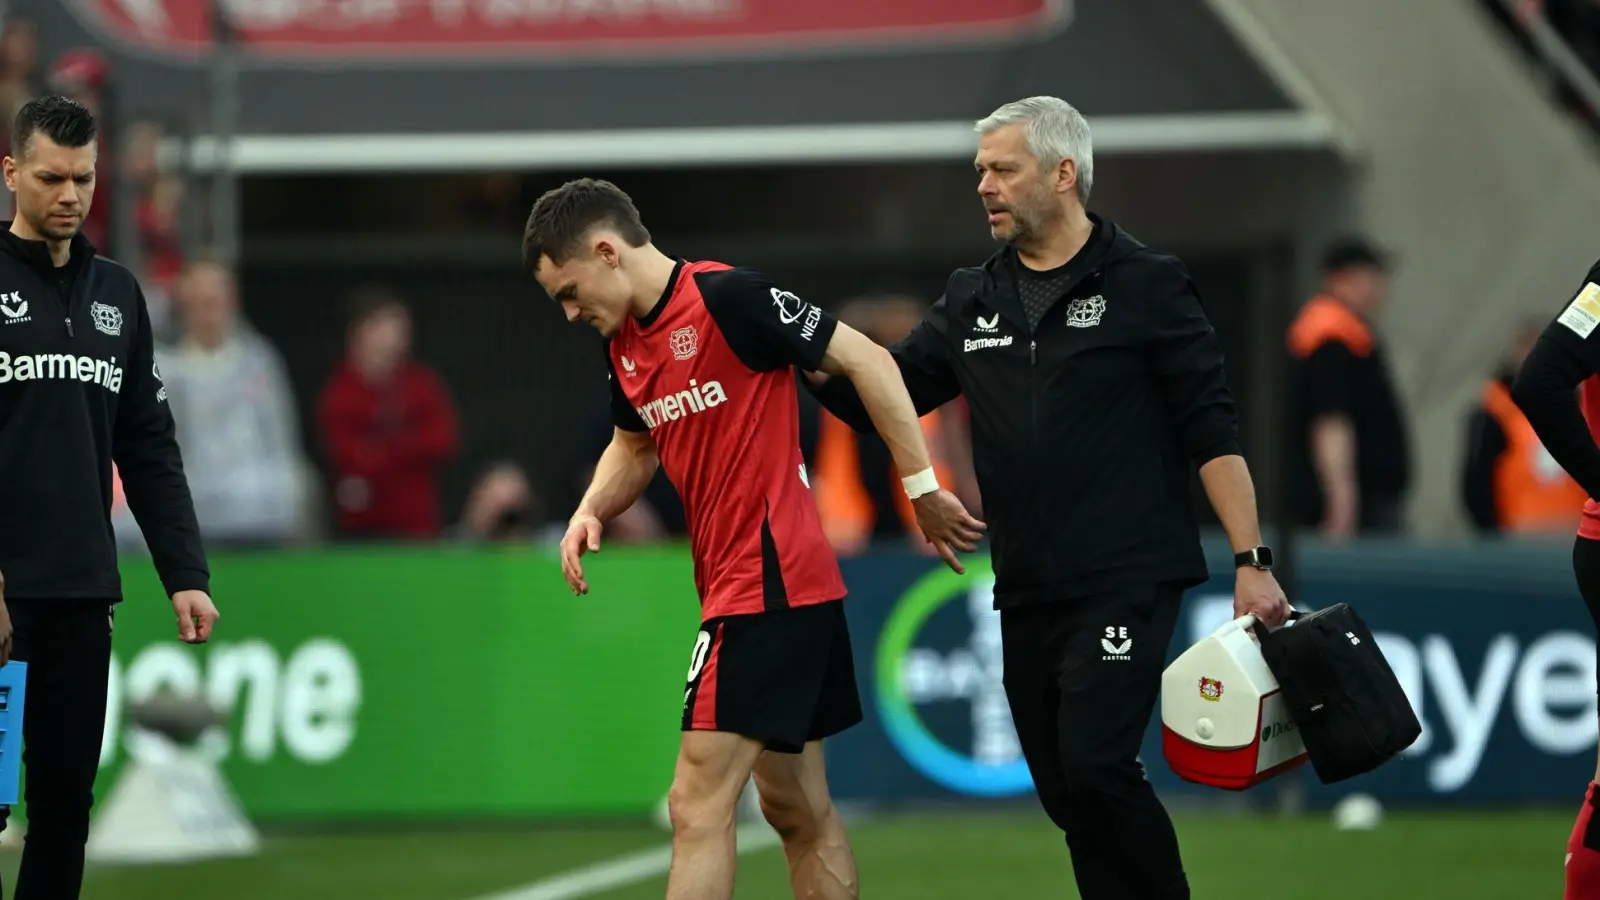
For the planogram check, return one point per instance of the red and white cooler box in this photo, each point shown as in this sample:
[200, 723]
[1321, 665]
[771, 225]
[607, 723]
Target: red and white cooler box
[1223, 720]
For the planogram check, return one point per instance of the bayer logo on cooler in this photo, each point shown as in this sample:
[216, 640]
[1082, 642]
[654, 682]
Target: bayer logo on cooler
[940, 686]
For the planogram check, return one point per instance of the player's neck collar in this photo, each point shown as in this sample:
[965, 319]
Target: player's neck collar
[649, 318]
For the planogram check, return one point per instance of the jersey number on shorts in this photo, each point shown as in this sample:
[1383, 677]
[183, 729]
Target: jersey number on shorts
[697, 659]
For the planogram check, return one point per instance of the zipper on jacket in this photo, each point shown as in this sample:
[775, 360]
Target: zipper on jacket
[64, 293]
[1047, 575]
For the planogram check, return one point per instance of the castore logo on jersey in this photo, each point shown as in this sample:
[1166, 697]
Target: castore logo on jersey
[14, 308]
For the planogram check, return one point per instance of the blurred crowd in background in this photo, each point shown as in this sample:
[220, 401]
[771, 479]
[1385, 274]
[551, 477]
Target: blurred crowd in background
[366, 463]
[1577, 22]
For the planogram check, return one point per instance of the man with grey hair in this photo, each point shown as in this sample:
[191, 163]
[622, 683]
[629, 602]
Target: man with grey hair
[1096, 387]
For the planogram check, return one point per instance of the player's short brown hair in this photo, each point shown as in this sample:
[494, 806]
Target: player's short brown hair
[564, 216]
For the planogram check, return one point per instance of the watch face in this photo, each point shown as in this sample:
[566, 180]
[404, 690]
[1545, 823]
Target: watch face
[1259, 557]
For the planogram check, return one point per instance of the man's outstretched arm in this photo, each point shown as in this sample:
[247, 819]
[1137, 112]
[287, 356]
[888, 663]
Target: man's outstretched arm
[923, 358]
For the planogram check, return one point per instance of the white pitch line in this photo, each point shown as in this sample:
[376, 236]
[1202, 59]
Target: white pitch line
[622, 870]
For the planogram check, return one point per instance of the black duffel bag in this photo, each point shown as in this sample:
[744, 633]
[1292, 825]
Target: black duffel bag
[1344, 699]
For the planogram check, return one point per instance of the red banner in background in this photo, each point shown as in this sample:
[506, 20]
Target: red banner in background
[464, 28]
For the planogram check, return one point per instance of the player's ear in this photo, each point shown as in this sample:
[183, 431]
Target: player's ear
[606, 251]
[10, 168]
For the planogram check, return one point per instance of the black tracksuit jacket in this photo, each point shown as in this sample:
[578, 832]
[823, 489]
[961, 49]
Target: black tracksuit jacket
[1085, 433]
[79, 389]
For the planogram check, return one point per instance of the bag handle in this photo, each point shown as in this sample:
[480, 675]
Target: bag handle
[1249, 623]
[1261, 631]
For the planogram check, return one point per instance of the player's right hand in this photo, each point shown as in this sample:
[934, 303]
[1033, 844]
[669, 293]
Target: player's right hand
[948, 526]
[583, 535]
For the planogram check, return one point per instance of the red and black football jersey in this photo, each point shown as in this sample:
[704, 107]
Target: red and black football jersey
[710, 374]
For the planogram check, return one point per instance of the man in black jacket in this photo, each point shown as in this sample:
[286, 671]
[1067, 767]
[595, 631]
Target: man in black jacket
[79, 390]
[1095, 385]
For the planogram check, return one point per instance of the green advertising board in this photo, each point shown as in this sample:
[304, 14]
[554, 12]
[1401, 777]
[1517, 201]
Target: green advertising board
[425, 683]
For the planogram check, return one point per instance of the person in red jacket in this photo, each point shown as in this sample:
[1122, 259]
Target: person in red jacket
[388, 426]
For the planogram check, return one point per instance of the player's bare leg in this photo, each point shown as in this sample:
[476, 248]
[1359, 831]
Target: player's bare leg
[796, 802]
[713, 767]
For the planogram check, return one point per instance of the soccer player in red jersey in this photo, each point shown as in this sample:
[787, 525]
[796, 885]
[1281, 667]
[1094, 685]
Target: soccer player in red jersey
[1558, 390]
[702, 360]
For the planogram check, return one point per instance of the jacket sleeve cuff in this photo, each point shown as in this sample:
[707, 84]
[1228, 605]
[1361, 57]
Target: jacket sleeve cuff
[186, 580]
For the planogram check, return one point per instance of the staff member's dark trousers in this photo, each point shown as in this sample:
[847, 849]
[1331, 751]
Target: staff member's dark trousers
[67, 646]
[1082, 677]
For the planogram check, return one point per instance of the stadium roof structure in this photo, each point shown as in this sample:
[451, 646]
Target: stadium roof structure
[440, 85]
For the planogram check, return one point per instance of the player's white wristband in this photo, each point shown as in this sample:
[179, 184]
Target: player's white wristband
[924, 482]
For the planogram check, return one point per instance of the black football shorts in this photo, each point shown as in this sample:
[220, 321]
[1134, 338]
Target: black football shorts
[783, 677]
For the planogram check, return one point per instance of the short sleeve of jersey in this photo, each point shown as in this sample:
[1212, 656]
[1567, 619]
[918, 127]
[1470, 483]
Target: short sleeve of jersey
[769, 328]
[1578, 325]
[623, 415]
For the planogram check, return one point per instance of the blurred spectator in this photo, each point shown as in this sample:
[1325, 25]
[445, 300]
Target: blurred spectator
[19, 81]
[1350, 446]
[236, 418]
[157, 205]
[19, 71]
[388, 427]
[1511, 483]
[858, 492]
[503, 507]
[160, 195]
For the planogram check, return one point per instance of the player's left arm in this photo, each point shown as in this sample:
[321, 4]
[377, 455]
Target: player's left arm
[145, 447]
[1187, 357]
[769, 328]
[1564, 356]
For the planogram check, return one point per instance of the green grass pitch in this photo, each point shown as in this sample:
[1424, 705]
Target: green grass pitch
[1462, 855]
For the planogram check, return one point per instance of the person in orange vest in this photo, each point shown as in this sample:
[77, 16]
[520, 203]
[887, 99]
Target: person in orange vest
[1510, 483]
[1350, 459]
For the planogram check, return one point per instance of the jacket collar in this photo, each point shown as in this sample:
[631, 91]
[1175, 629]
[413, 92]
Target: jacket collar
[1107, 243]
[36, 254]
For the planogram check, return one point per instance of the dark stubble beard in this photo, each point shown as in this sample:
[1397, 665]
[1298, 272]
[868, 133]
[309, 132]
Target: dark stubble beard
[43, 227]
[1032, 217]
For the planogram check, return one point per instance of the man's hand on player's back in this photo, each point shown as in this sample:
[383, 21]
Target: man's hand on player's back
[948, 526]
[583, 535]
